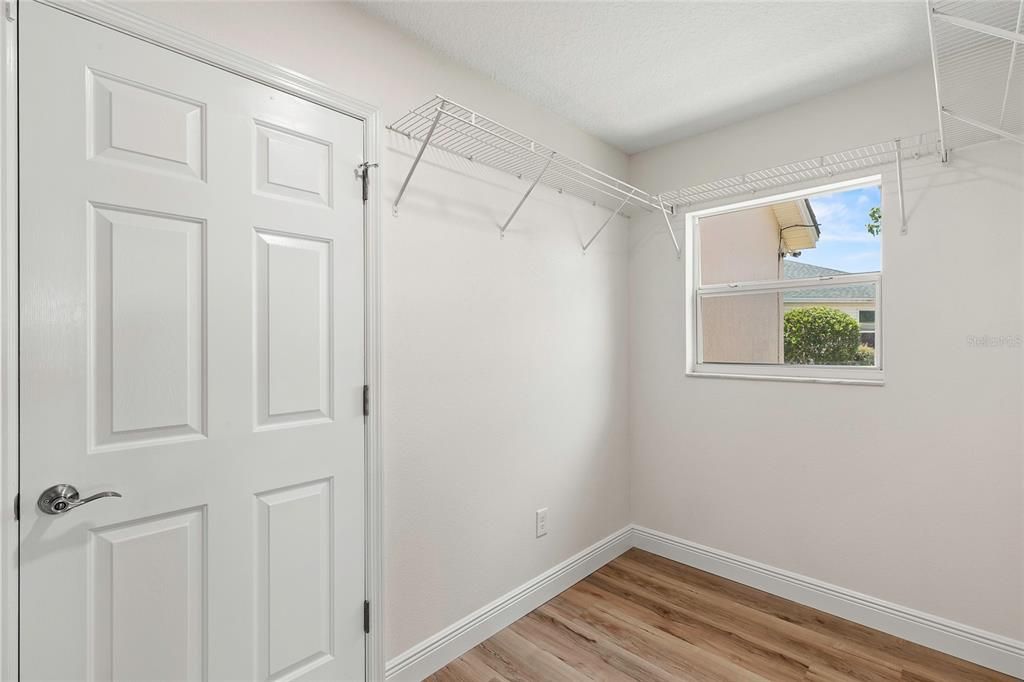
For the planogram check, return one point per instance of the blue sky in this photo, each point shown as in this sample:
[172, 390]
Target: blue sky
[845, 243]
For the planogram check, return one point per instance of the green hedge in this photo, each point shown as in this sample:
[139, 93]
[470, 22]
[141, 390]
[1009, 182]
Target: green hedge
[865, 356]
[820, 335]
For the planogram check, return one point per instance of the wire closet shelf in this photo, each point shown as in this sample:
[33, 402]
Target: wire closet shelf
[978, 57]
[459, 130]
[826, 167]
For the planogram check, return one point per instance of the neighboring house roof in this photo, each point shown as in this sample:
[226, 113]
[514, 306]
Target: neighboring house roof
[793, 269]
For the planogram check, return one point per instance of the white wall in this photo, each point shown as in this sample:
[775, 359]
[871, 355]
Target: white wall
[505, 361]
[911, 492]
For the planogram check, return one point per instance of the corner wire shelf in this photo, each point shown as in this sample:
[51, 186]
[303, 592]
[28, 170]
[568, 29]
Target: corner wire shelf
[459, 130]
[978, 59]
[823, 167]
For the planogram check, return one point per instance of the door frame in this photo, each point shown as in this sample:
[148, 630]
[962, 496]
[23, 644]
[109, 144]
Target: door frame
[107, 13]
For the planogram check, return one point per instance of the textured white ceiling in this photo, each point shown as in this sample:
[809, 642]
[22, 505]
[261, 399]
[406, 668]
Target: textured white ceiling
[639, 74]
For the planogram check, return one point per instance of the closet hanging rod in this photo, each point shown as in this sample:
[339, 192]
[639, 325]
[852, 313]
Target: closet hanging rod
[464, 132]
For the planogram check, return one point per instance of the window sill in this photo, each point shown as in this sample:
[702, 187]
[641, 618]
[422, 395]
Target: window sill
[864, 377]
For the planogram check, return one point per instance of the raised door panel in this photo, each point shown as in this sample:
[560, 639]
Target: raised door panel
[147, 599]
[293, 329]
[147, 370]
[292, 165]
[124, 115]
[295, 631]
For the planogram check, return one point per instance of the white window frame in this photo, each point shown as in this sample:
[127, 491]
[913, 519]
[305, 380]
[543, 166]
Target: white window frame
[838, 374]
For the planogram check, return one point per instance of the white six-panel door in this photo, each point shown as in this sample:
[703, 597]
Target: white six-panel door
[192, 338]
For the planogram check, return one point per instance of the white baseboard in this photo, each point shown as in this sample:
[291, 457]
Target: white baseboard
[971, 644]
[434, 653]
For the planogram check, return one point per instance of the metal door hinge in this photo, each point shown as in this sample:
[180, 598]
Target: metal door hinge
[366, 617]
[366, 400]
[363, 171]
[17, 507]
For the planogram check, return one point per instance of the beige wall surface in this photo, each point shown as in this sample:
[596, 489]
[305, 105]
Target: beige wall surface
[742, 246]
[912, 492]
[742, 329]
[504, 360]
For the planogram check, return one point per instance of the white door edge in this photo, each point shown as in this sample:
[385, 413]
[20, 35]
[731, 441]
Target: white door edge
[8, 349]
[128, 22]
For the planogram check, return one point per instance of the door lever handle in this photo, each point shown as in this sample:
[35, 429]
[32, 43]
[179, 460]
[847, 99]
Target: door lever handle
[62, 498]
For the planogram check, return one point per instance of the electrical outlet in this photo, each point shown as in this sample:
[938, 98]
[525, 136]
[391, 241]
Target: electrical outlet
[542, 522]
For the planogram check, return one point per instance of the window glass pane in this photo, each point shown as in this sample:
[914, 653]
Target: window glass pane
[850, 239]
[820, 236]
[812, 326]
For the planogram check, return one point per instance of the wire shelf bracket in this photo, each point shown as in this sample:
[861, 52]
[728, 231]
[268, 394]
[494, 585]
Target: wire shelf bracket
[671, 232]
[416, 161]
[527, 195]
[978, 63]
[899, 185]
[463, 132]
[605, 223]
[828, 167]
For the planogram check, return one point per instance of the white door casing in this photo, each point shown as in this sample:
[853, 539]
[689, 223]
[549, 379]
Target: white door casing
[192, 337]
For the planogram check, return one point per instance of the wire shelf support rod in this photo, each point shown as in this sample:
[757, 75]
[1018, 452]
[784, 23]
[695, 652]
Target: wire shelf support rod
[416, 161]
[605, 224]
[527, 195]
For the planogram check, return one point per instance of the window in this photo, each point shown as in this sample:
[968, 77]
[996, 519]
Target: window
[789, 286]
[866, 319]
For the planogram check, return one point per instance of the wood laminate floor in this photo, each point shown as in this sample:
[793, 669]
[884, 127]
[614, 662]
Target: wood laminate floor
[642, 617]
